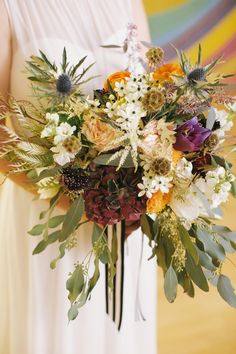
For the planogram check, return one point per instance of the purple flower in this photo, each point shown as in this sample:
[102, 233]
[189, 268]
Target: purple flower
[191, 135]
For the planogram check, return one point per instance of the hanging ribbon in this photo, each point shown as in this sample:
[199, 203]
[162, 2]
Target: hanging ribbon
[114, 298]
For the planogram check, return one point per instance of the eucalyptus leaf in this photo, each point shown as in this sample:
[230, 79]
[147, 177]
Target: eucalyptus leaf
[196, 273]
[55, 221]
[191, 291]
[212, 277]
[210, 245]
[233, 188]
[97, 231]
[37, 230]
[225, 232]
[75, 283]
[62, 248]
[146, 226]
[225, 244]
[226, 290]
[93, 281]
[42, 245]
[73, 312]
[187, 242]
[72, 218]
[206, 261]
[170, 284]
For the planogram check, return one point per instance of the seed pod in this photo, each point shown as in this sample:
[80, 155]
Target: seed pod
[161, 166]
[153, 100]
[72, 144]
[64, 84]
[211, 142]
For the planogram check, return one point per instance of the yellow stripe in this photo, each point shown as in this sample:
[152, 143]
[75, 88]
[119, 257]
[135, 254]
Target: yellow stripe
[155, 6]
[228, 67]
[216, 38]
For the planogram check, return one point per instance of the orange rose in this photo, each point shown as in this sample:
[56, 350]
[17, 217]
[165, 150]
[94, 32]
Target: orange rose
[164, 72]
[158, 202]
[116, 77]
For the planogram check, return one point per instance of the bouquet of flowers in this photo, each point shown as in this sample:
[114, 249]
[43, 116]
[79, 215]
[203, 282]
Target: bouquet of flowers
[145, 148]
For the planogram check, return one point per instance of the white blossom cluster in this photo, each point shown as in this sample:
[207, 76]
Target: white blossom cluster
[58, 132]
[216, 186]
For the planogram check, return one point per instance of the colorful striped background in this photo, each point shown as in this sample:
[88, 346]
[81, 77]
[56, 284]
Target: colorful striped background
[185, 23]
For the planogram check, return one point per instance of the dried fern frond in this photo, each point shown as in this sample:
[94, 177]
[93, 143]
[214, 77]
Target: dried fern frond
[35, 161]
[33, 149]
[13, 137]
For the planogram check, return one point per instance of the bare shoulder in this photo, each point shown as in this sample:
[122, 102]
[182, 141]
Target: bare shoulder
[140, 19]
[5, 40]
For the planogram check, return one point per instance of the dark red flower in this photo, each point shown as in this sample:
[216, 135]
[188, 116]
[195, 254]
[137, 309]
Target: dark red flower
[114, 196]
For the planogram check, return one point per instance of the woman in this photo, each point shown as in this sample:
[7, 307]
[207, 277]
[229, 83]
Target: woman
[33, 303]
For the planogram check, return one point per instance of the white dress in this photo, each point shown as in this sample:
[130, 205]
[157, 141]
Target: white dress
[33, 298]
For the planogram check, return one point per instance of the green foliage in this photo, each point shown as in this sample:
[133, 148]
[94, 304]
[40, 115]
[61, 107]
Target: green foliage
[170, 284]
[75, 283]
[72, 218]
[226, 290]
[196, 273]
[187, 242]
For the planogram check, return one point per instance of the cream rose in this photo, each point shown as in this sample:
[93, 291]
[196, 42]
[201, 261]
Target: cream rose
[101, 134]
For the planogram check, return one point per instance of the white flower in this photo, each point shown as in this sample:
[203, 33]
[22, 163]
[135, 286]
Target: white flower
[189, 207]
[48, 131]
[148, 187]
[225, 124]
[92, 103]
[61, 155]
[184, 169]
[163, 184]
[232, 106]
[132, 97]
[137, 84]
[50, 128]
[110, 109]
[130, 115]
[120, 88]
[52, 118]
[216, 186]
[63, 131]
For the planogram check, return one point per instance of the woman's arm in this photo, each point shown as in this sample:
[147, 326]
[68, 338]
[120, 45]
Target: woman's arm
[5, 69]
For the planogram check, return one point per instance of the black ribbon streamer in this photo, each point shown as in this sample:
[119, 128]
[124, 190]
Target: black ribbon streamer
[114, 308]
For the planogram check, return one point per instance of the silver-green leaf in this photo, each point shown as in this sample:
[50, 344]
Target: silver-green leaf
[170, 284]
[72, 218]
[226, 290]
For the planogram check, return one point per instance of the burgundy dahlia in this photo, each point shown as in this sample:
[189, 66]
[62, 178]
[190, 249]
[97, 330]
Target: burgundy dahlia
[113, 197]
[191, 135]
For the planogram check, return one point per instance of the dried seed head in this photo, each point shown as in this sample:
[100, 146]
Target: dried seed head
[197, 75]
[155, 56]
[153, 100]
[72, 144]
[64, 84]
[211, 142]
[161, 166]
